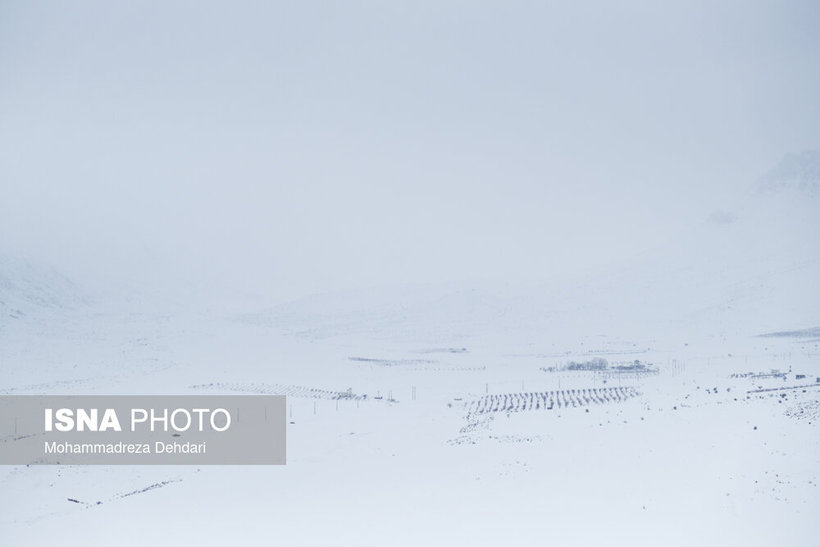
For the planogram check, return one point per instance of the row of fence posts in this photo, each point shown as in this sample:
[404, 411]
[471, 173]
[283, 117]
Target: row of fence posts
[378, 394]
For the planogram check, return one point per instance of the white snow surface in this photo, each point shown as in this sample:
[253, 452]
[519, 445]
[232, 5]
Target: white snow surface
[699, 456]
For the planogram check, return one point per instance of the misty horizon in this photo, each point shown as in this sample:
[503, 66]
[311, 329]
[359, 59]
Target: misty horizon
[285, 151]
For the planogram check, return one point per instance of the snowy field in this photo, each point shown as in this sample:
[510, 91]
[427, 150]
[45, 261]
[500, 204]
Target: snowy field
[672, 400]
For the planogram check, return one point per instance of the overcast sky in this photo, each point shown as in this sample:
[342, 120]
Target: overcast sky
[292, 147]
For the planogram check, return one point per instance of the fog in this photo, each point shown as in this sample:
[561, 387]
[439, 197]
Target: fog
[288, 148]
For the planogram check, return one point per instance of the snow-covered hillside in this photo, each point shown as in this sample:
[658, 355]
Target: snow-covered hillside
[31, 289]
[796, 173]
[748, 269]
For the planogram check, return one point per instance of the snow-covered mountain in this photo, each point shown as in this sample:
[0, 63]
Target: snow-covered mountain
[28, 288]
[797, 172]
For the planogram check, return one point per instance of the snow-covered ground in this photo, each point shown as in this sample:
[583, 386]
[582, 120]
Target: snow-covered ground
[474, 430]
